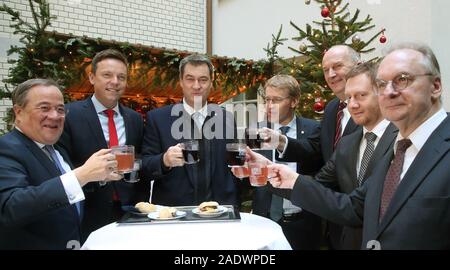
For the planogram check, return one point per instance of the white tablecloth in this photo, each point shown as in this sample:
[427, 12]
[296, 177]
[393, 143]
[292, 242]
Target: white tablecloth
[250, 233]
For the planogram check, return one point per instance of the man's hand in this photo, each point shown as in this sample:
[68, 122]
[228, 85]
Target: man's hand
[281, 176]
[251, 156]
[173, 157]
[100, 166]
[273, 139]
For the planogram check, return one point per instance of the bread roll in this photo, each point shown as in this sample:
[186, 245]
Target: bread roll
[167, 212]
[145, 207]
[209, 207]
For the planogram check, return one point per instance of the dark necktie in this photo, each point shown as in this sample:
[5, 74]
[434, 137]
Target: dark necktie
[393, 175]
[113, 140]
[54, 158]
[276, 207]
[370, 147]
[339, 116]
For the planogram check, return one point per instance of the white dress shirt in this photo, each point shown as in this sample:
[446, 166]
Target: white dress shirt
[345, 118]
[203, 111]
[419, 137]
[288, 207]
[118, 121]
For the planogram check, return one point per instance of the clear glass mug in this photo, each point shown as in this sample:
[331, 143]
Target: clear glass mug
[134, 176]
[258, 173]
[190, 151]
[125, 158]
[236, 159]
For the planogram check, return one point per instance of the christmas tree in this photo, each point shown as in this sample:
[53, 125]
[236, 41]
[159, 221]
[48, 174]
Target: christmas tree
[337, 27]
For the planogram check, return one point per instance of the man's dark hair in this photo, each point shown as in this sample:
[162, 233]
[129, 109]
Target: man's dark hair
[108, 54]
[196, 60]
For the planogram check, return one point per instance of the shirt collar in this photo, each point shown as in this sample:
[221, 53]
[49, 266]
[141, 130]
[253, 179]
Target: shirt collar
[421, 134]
[378, 129]
[203, 111]
[100, 108]
[292, 124]
[40, 145]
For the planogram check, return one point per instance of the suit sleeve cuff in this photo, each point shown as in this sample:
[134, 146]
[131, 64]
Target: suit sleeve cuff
[72, 187]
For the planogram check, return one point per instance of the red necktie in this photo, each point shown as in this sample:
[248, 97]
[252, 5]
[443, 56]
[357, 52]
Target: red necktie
[113, 140]
[393, 175]
[339, 116]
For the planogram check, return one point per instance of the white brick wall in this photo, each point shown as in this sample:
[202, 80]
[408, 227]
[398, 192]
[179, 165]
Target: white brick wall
[177, 24]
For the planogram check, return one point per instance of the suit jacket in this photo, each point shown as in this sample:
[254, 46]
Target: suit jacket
[179, 185]
[82, 137]
[339, 173]
[34, 209]
[301, 150]
[262, 197]
[418, 215]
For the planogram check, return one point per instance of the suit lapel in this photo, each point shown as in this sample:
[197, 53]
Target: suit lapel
[127, 122]
[93, 122]
[351, 152]
[384, 145]
[430, 154]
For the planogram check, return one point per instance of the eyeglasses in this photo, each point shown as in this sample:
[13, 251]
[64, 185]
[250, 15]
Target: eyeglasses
[399, 83]
[45, 109]
[275, 100]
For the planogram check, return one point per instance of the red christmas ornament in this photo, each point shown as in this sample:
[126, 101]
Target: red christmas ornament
[319, 105]
[325, 12]
[383, 39]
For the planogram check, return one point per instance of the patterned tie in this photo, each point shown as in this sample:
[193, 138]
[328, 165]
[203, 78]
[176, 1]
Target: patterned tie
[370, 147]
[54, 158]
[276, 207]
[393, 175]
[113, 140]
[198, 119]
[339, 116]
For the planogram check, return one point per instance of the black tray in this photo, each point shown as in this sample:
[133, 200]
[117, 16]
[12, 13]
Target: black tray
[231, 215]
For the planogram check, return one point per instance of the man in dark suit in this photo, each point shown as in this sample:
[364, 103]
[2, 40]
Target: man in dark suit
[88, 128]
[357, 154]
[336, 121]
[177, 183]
[302, 229]
[39, 193]
[405, 203]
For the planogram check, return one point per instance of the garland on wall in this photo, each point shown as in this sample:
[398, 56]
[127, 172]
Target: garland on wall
[65, 58]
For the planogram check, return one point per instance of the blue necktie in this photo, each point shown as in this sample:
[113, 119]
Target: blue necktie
[276, 207]
[55, 160]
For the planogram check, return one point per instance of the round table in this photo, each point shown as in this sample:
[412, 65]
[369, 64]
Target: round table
[252, 232]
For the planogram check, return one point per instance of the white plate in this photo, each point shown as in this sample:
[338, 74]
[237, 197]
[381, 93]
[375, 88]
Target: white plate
[155, 215]
[135, 211]
[219, 212]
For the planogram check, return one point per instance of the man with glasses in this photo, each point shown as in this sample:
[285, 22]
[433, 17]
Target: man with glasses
[39, 192]
[336, 122]
[405, 203]
[302, 229]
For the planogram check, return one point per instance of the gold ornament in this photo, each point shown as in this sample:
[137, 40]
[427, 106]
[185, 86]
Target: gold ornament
[303, 47]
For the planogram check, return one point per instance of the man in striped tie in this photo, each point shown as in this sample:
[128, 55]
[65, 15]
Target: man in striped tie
[404, 204]
[39, 191]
